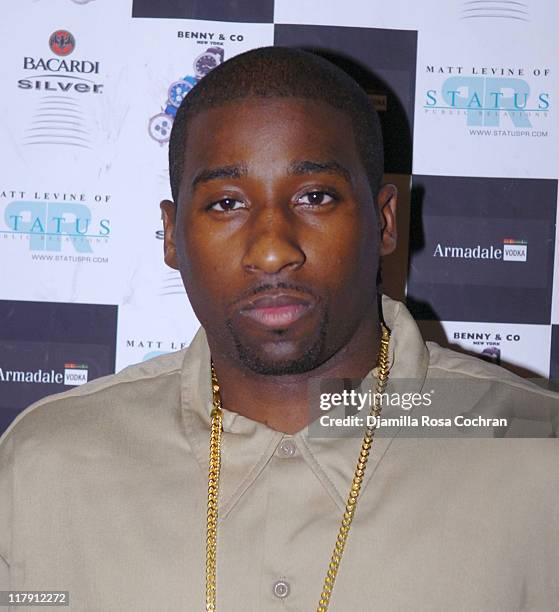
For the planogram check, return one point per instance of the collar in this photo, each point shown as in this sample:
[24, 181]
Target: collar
[248, 445]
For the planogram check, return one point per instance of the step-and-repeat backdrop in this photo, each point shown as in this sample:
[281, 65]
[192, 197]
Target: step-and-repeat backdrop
[466, 93]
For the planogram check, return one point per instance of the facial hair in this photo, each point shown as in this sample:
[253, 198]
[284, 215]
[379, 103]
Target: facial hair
[310, 360]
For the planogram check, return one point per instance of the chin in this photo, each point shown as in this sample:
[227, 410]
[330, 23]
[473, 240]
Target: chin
[279, 357]
[278, 367]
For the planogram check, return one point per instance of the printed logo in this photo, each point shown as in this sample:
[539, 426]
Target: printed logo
[504, 101]
[62, 82]
[512, 346]
[49, 377]
[155, 347]
[479, 267]
[489, 9]
[481, 338]
[512, 250]
[515, 250]
[171, 284]
[524, 350]
[159, 126]
[62, 42]
[69, 227]
[75, 374]
[59, 344]
[48, 225]
[488, 345]
[492, 354]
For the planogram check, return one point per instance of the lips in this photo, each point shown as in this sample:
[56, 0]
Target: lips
[276, 310]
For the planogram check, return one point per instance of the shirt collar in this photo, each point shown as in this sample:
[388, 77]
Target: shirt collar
[247, 445]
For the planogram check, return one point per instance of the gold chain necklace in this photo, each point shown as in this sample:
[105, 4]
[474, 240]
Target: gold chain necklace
[351, 504]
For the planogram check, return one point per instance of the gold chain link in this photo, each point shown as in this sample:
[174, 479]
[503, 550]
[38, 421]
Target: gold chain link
[355, 489]
[213, 490]
[351, 504]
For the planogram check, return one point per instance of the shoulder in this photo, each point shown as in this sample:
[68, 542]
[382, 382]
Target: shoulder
[99, 401]
[471, 386]
[446, 363]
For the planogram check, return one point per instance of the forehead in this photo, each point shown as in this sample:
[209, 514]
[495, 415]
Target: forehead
[266, 131]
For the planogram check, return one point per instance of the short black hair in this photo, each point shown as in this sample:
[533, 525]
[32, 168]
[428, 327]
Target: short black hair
[270, 72]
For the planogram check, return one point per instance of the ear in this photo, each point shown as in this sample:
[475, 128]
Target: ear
[169, 215]
[386, 200]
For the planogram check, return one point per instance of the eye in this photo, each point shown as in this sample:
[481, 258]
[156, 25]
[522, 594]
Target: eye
[315, 198]
[226, 205]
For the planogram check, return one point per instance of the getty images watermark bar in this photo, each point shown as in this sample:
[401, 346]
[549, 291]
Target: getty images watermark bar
[34, 598]
[436, 408]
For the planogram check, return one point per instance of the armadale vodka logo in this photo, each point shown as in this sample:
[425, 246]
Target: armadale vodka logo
[50, 226]
[511, 250]
[515, 250]
[75, 374]
[32, 376]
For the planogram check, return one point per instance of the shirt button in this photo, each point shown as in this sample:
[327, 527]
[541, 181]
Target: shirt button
[281, 589]
[286, 448]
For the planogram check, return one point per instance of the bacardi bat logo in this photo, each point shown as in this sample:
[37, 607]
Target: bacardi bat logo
[62, 42]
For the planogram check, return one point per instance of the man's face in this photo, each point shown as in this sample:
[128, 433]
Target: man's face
[275, 232]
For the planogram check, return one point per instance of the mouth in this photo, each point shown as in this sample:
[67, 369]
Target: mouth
[276, 310]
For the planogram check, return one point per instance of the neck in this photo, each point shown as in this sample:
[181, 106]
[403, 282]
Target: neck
[281, 402]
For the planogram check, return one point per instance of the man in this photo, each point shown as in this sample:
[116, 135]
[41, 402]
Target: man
[277, 225]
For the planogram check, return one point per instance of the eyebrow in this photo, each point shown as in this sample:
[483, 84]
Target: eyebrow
[312, 167]
[220, 172]
[297, 168]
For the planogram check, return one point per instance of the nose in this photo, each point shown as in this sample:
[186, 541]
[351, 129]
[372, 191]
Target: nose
[272, 244]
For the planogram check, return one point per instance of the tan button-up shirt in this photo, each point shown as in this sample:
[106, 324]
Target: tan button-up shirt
[103, 493]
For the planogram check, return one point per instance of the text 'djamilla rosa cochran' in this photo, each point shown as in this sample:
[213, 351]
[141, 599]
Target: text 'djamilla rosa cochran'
[406, 420]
